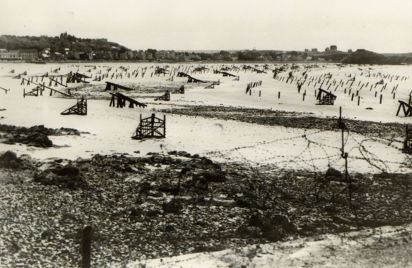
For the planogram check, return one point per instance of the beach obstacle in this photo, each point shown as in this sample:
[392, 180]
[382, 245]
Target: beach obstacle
[79, 108]
[159, 71]
[164, 97]
[85, 246]
[325, 98]
[57, 82]
[225, 74]
[34, 92]
[212, 85]
[76, 78]
[181, 90]
[115, 87]
[43, 86]
[5, 89]
[407, 145]
[150, 127]
[119, 100]
[406, 108]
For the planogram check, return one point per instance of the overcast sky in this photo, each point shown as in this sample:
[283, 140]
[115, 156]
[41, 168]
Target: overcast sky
[378, 25]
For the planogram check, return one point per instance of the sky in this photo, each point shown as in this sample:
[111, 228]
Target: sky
[383, 26]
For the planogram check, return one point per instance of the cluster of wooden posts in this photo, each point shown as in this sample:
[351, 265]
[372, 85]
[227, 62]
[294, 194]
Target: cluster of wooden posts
[329, 84]
[40, 88]
[251, 85]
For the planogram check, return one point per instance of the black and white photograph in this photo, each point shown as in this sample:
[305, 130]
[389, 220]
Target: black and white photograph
[206, 134]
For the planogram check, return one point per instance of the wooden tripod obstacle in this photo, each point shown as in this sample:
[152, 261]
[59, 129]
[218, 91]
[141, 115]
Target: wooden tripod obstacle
[406, 107]
[407, 145]
[150, 127]
[80, 108]
[122, 99]
[325, 98]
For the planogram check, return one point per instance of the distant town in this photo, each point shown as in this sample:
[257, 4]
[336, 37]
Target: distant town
[70, 48]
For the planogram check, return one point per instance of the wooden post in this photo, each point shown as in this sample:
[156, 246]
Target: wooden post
[348, 179]
[358, 100]
[85, 246]
[164, 125]
[381, 97]
[152, 125]
[278, 94]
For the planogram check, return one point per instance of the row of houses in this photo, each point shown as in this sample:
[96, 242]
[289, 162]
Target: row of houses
[21, 54]
[34, 54]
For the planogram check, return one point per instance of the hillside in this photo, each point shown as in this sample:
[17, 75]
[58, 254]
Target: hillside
[362, 56]
[64, 46]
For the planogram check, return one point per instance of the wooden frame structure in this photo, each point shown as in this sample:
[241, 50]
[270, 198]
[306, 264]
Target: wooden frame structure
[325, 97]
[122, 99]
[406, 107]
[115, 87]
[227, 74]
[182, 74]
[57, 82]
[34, 92]
[80, 108]
[150, 127]
[164, 97]
[407, 145]
[42, 88]
[76, 78]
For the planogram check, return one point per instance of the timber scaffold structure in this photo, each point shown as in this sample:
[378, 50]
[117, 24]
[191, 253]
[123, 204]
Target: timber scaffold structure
[325, 97]
[150, 127]
[80, 108]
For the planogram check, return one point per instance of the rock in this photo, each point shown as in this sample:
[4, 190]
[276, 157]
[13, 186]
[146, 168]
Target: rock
[38, 139]
[333, 173]
[170, 228]
[215, 176]
[136, 212]
[173, 206]
[67, 171]
[200, 184]
[65, 177]
[249, 231]
[256, 220]
[9, 160]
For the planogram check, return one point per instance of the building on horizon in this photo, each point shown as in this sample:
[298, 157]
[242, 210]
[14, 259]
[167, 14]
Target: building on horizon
[29, 54]
[9, 54]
